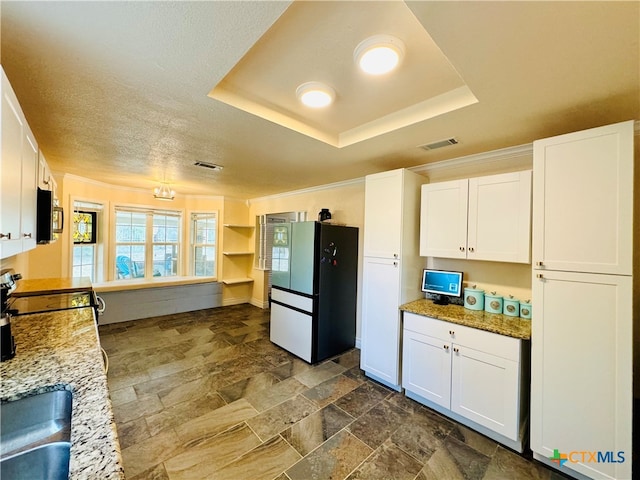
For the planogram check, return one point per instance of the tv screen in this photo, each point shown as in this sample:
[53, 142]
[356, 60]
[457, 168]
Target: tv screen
[442, 283]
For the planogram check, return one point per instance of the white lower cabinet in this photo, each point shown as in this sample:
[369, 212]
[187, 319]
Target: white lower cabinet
[476, 377]
[380, 356]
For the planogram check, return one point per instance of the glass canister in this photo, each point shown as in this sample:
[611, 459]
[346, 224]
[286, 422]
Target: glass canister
[492, 302]
[511, 306]
[474, 298]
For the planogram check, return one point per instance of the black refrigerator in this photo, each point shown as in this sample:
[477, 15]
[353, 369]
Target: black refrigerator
[314, 284]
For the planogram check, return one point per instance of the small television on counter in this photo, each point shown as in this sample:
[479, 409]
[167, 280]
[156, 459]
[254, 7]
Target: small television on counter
[443, 284]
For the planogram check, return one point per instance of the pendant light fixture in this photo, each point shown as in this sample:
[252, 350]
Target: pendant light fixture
[164, 192]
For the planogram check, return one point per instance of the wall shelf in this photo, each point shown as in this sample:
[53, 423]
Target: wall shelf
[236, 225]
[237, 253]
[236, 281]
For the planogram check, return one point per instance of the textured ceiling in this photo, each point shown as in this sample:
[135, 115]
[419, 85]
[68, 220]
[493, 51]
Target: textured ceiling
[119, 91]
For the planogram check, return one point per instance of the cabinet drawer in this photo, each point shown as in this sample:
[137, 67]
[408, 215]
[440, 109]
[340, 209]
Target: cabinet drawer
[427, 326]
[288, 298]
[492, 343]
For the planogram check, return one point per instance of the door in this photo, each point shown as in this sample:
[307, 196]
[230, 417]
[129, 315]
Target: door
[443, 219]
[581, 369]
[380, 342]
[383, 214]
[426, 367]
[583, 189]
[485, 389]
[499, 222]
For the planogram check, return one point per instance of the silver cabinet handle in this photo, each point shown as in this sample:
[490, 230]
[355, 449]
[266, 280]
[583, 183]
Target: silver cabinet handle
[26, 235]
[452, 332]
[471, 249]
[539, 264]
[462, 249]
[539, 275]
[6, 235]
[446, 347]
[395, 264]
[456, 350]
[395, 255]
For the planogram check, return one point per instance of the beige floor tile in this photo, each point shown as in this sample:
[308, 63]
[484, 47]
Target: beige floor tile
[123, 395]
[216, 422]
[264, 462]
[212, 454]
[183, 412]
[143, 406]
[335, 458]
[150, 452]
[279, 393]
[278, 418]
[321, 373]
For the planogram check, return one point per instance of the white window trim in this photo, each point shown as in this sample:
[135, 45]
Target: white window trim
[149, 237]
[190, 246]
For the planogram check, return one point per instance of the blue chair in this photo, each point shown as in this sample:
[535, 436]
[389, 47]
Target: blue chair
[126, 268]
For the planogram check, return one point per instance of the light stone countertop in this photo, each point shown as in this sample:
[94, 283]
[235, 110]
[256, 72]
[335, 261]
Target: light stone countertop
[61, 351]
[491, 322]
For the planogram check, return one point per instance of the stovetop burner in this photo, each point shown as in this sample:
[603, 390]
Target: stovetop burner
[50, 303]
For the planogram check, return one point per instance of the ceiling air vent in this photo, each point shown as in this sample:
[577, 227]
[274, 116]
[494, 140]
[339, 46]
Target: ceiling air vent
[208, 165]
[439, 144]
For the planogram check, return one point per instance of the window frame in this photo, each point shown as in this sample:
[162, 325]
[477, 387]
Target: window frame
[193, 218]
[101, 211]
[149, 242]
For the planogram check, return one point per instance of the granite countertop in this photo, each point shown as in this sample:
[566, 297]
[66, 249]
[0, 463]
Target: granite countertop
[46, 286]
[491, 322]
[61, 351]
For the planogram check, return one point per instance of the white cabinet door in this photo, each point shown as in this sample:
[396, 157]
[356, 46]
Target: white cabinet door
[10, 171]
[426, 367]
[443, 219]
[582, 188]
[485, 389]
[383, 214]
[499, 221]
[28, 194]
[380, 342]
[484, 218]
[581, 372]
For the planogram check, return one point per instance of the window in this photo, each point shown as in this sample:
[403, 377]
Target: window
[204, 228]
[84, 260]
[147, 243]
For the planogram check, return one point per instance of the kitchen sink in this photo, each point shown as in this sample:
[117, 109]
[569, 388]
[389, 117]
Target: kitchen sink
[49, 461]
[35, 436]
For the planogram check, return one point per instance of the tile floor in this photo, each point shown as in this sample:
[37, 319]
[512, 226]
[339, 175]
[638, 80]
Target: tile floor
[206, 395]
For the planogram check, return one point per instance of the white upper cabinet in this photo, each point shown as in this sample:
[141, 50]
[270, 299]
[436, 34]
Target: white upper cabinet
[18, 169]
[583, 186]
[28, 191]
[383, 214]
[485, 218]
[443, 219]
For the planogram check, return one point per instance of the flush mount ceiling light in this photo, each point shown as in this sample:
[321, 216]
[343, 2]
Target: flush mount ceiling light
[163, 192]
[315, 94]
[379, 54]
